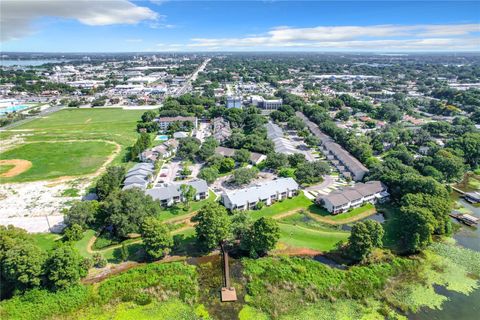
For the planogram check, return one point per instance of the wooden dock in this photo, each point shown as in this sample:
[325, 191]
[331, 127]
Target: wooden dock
[467, 219]
[228, 293]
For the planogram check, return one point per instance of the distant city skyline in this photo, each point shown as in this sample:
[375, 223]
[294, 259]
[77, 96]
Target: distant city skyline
[164, 26]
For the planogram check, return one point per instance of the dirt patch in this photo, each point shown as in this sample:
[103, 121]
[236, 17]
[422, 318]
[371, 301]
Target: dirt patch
[19, 167]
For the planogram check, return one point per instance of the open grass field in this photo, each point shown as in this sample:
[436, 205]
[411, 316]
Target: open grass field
[52, 160]
[114, 125]
[46, 241]
[295, 203]
[302, 237]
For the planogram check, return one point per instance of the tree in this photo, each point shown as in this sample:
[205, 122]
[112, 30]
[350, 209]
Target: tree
[188, 148]
[109, 181]
[99, 261]
[263, 237]
[143, 142]
[22, 266]
[450, 165]
[226, 165]
[312, 141]
[286, 173]
[244, 176]
[213, 225]
[343, 115]
[296, 123]
[208, 148]
[125, 210]
[276, 161]
[365, 236]
[241, 226]
[469, 144]
[296, 159]
[188, 194]
[148, 116]
[73, 232]
[209, 174]
[124, 252]
[157, 239]
[65, 267]
[417, 226]
[311, 172]
[242, 156]
[82, 213]
[439, 207]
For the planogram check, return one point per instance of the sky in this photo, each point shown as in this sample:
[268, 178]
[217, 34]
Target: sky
[156, 25]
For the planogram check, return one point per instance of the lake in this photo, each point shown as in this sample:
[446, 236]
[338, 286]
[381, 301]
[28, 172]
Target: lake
[24, 63]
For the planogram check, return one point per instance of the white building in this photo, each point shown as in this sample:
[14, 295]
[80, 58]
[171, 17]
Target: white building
[164, 122]
[261, 102]
[234, 102]
[353, 197]
[268, 193]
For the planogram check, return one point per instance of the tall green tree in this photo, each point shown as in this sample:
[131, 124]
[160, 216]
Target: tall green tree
[213, 225]
[188, 194]
[262, 237]
[126, 210]
[22, 266]
[157, 239]
[208, 148]
[365, 236]
[65, 267]
[82, 213]
[417, 226]
[110, 181]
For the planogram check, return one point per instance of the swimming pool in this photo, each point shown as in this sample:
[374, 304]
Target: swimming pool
[162, 137]
[4, 110]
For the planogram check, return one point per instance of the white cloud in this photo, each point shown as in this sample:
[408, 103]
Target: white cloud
[17, 15]
[376, 37]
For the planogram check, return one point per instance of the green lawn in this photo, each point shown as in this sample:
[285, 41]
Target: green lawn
[46, 241]
[179, 213]
[81, 244]
[303, 237]
[115, 125]
[298, 202]
[53, 160]
[5, 167]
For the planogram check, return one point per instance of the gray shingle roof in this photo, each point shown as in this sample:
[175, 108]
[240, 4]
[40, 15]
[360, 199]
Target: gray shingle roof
[260, 192]
[168, 191]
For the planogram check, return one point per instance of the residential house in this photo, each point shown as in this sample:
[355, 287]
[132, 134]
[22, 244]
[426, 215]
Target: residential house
[139, 176]
[162, 151]
[347, 164]
[268, 193]
[353, 197]
[255, 158]
[164, 122]
[169, 194]
[221, 129]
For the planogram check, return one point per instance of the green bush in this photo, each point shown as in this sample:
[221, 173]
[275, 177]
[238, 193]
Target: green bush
[176, 279]
[40, 304]
[280, 285]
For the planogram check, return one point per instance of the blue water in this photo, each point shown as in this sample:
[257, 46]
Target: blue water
[162, 137]
[25, 63]
[5, 110]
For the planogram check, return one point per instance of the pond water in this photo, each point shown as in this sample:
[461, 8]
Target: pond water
[4, 110]
[376, 217]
